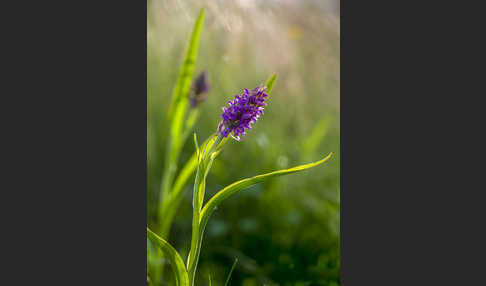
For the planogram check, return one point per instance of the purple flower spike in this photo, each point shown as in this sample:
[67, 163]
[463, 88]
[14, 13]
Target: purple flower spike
[243, 111]
[200, 86]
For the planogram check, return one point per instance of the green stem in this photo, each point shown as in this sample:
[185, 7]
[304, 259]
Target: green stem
[193, 253]
[171, 204]
[203, 168]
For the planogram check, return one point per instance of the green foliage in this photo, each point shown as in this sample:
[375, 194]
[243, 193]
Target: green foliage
[245, 183]
[311, 143]
[173, 201]
[205, 160]
[179, 130]
[270, 82]
[231, 272]
[201, 215]
[176, 261]
[180, 127]
[183, 84]
[283, 231]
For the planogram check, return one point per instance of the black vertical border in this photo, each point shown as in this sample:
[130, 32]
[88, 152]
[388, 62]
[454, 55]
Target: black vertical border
[74, 92]
[411, 209]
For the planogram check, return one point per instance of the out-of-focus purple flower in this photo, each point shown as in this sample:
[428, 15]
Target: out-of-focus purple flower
[243, 111]
[200, 86]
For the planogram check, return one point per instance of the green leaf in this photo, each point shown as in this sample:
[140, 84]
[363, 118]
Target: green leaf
[204, 165]
[245, 183]
[180, 273]
[154, 261]
[178, 108]
[196, 145]
[176, 114]
[231, 272]
[179, 94]
[270, 82]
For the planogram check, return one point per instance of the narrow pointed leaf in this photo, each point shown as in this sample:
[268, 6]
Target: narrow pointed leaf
[180, 273]
[270, 82]
[190, 122]
[186, 73]
[231, 272]
[196, 145]
[245, 183]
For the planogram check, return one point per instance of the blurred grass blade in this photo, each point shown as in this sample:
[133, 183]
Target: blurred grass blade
[270, 82]
[154, 261]
[209, 279]
[231, 272]
[196, 145]
[185, 74]
[245, 183]
[177, 113]
[171, 205]
[176, 261]
[190, 122]
[311, 143]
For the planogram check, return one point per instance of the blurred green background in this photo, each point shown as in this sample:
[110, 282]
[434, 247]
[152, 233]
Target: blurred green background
[284, 231]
